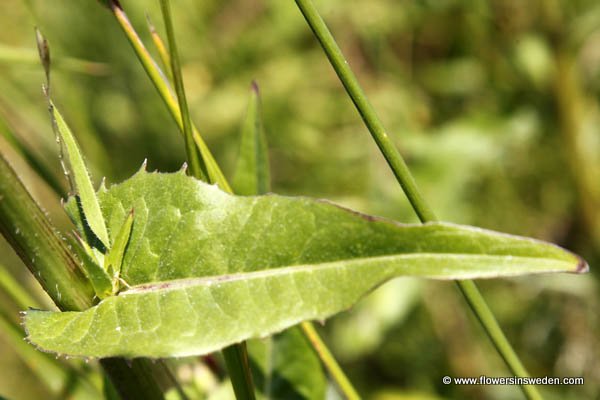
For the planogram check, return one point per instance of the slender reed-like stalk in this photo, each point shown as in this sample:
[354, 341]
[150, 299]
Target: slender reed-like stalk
[406, 180]
[330, 362]
[160, 48]
[236, 356]
[197, 167]
[160, 82]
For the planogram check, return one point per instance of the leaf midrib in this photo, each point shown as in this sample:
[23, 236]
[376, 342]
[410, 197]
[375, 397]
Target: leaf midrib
[183, 283]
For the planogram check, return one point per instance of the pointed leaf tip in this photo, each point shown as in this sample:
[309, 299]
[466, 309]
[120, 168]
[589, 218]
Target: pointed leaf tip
[143, 167]
[582, 267]
[151, 26]
[44, 52]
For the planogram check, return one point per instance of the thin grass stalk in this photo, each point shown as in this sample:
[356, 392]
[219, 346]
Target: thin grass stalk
[15, 291]
[334, 369]
[406, 180]
[236, 356]
[161, 84]
[196, 164]
[159, 44]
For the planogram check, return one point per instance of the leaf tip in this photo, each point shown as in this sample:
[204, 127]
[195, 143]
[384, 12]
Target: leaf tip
[151, 27]
[102, 187]
[183, 169]
[255, 88]
[582, 266]
[43, 50]
[143, 166]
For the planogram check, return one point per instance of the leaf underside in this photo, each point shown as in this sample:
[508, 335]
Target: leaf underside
[208, 269]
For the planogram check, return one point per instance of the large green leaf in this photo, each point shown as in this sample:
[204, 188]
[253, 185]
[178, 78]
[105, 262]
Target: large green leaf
[208, 269]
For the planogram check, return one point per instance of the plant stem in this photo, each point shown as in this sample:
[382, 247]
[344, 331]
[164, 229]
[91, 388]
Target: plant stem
[47, 256]
[161, 84]
[236, 356]
[406, 180]
[197, 166]
[329, 361]
[161, 48]
[238, 366]
[44, 252]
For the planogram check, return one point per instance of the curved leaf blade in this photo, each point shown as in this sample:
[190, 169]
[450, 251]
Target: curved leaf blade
[83, 183]
[210, 269]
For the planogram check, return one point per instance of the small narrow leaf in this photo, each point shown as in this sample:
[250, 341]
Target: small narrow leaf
[100, 279]
[78, 172]
[252, 170]
[83, 183]
[209, 269]
[114, 258]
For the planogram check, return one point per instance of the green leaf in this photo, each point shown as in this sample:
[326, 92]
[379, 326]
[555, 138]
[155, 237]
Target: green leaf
[210, 269]
[252, 169]
[101, 281]
[89, 202]
[114, 258]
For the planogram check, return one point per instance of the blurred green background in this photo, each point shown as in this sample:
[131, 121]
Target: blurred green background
[494, 104]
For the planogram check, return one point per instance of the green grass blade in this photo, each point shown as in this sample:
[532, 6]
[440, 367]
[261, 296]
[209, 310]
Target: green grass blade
[252, 174]
[32, 159]
[338, 375]
[236, 356]
[238, 366]
[365, 109]
[159, 44]
[15, 291]
[27, 56]
[162, 86]
[197, 166]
